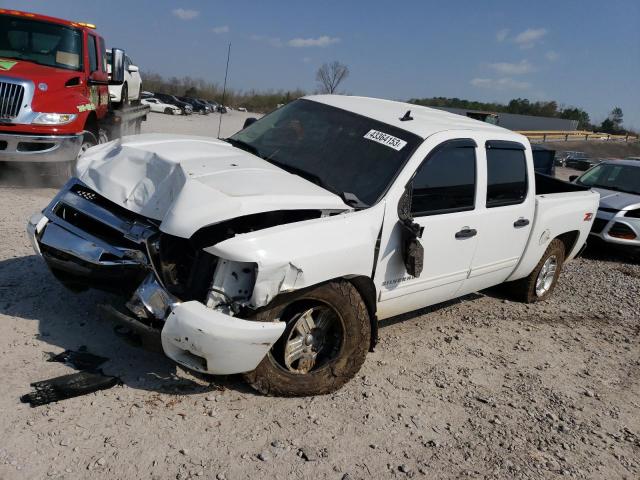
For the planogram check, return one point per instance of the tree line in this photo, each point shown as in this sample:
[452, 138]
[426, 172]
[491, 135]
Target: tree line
[612, 124]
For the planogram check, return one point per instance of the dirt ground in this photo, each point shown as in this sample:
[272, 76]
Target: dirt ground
[481, 387]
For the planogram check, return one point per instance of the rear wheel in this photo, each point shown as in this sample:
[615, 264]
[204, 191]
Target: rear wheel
[543, 279]
[323, 346]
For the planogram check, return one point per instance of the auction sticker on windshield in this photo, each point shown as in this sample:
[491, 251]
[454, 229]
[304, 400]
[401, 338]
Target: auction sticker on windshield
[385, 139]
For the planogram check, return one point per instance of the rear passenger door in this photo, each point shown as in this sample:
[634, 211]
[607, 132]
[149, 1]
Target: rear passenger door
[505, 213]
[443, 203]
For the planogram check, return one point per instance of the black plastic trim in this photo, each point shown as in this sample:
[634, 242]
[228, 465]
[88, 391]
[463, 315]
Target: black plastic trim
[504, 145]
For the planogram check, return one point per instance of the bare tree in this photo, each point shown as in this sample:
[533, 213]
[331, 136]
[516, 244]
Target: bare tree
[330, 75]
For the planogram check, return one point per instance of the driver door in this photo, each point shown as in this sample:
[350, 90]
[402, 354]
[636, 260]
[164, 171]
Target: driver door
[443, 204]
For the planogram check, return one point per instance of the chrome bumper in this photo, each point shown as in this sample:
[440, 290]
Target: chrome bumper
[84, 258]
[39, 148]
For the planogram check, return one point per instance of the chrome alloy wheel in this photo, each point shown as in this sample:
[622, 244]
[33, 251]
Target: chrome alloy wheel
[313, 339]
[546, 275]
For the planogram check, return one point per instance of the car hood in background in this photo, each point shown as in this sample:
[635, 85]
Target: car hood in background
[617, 200]
[189, 182]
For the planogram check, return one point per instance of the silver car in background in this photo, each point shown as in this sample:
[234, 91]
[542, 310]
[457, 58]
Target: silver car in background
[618, 218]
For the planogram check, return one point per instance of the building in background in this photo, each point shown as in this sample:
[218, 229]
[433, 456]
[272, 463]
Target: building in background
[514, 121]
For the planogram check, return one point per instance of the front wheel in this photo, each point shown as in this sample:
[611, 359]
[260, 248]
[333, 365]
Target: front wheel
[542, 280]
[168, 111]
[124, 95]
[323, 346]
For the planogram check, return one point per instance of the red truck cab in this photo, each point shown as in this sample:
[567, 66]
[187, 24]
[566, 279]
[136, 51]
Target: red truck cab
[53, 87]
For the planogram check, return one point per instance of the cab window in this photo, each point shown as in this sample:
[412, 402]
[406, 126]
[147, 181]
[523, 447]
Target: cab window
[446, 180]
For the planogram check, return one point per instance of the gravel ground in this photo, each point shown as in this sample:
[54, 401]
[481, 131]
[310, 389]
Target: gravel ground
[481, 387]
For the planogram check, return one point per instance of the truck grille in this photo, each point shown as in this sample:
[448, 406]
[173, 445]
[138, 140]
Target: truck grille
[11, 95]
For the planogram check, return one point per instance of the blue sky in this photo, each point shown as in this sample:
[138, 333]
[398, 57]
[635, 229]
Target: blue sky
[583, 53]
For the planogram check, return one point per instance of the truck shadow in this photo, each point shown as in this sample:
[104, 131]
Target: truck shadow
[66, 320]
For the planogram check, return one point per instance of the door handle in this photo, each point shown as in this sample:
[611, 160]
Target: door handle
[466, 233]
[521, 222]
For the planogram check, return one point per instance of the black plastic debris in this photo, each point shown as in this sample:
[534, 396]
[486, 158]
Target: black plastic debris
[68, 386]
[80, 360]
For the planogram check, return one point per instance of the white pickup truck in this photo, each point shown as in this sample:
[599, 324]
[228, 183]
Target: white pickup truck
[274, 253]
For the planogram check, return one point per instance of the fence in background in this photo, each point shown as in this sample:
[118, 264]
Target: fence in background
[567, 136]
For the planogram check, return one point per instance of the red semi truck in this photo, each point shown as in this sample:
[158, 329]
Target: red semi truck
[54, 97]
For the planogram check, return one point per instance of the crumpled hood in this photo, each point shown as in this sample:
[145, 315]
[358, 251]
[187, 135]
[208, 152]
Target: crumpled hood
[617, 200]
[189, 182]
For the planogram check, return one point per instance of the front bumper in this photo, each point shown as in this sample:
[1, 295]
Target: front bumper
[39, 148]
[609, 226]
[197, 337]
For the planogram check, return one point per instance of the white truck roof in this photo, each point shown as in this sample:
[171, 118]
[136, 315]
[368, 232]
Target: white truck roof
[426, 121]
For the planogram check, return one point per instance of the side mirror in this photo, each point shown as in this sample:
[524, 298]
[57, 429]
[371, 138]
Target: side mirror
[412, 250]
[249, 121]
[573, 178]
[133, 68]
[117, 66]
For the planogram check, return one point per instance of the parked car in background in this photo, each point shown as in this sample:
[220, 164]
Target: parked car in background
[129, 92]
[197, 105]
[186, 108]
[242, 109]
[579, 161]
[157, 106]
[145, 94]
[561, 157]
[618, 219]
[275, 252]
[637, 159]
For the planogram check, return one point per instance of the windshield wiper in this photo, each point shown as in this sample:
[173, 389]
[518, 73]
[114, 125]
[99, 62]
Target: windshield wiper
[247, 147]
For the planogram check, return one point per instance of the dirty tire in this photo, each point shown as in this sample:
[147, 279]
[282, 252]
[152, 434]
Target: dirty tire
[271, 378]
[524, 290]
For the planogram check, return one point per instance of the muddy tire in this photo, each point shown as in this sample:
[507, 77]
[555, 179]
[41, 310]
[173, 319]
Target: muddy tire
[541, 282]
[337, 314]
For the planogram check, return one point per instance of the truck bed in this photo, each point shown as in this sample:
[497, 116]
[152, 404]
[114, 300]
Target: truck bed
[562, 208]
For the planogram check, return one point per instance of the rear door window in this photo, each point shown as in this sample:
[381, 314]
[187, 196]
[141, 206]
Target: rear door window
[506, 174]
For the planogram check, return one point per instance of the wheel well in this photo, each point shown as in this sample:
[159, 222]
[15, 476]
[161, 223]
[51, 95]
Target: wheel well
[367, 291]
[91, 124]
[569, 240]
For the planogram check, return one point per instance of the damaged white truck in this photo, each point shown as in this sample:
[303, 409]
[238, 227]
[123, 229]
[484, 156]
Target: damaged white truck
[274, 253]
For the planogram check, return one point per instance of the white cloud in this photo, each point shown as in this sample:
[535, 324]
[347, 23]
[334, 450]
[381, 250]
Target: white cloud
[530, 37]
[185, 14]
[501, 35]
[552, 56]
[221, 29]
[519, 68]
[505, 83]
[323, 41]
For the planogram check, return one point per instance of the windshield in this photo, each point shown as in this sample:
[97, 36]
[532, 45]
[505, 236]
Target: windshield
[621, 178]
[44, 43]
[348, 154]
